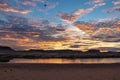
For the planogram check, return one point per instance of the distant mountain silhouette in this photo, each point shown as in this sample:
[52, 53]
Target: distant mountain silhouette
[4, 49]
[8, 49]
[7, 54]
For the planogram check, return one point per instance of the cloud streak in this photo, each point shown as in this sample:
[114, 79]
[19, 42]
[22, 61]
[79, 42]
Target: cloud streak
[97, 3]
[74, 16]
[26, 6]
[6, 7]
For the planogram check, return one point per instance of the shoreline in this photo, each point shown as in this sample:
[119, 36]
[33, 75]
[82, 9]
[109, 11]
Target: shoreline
[11, 71]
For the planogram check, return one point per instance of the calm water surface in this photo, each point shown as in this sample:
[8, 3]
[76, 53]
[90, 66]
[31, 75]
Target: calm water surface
[68, 61]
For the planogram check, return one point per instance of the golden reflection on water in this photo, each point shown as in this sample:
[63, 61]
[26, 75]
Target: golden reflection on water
[67, 61]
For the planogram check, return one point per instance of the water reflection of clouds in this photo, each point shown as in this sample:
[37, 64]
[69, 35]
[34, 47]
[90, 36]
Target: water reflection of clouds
[67, 61]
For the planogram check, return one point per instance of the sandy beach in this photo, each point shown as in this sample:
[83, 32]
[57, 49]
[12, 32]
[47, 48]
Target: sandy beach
[59, 72]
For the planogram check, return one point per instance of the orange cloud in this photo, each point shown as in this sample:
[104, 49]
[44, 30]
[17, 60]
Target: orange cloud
[68, 18]
[3, 5]
[86, 27]
[9, 9]
[117, 29]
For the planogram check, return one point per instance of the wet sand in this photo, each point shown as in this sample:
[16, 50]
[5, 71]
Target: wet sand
[59, 72]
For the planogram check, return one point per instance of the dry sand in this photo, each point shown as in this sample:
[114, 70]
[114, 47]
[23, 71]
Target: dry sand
[59, 72]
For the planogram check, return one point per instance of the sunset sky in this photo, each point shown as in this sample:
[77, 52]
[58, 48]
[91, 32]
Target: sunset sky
[60, 24]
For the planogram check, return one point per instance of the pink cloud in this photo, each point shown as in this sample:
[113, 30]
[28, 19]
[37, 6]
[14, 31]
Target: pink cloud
[97, 3]
[75, 15]
[116, 2]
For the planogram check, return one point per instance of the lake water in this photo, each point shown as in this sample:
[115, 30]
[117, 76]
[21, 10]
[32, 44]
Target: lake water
[68, 61]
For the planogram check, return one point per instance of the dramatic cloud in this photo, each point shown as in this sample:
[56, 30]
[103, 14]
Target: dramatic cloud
[18, 32]
[32, 24]
[24, 34]
[21, 25]
[108, 30]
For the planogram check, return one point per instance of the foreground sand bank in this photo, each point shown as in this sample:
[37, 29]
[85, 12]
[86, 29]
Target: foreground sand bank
[59, 72]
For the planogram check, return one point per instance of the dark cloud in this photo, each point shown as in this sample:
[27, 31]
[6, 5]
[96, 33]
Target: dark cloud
[21, 27]
[104, 31]
[108, 31]
[18, 32]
